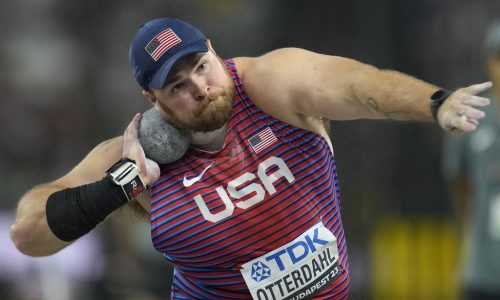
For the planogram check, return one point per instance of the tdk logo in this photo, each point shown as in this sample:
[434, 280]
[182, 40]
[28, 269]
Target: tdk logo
[297, 251]
[260, 271]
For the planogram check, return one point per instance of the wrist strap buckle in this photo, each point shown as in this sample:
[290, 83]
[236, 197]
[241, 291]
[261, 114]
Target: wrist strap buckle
[126, 174]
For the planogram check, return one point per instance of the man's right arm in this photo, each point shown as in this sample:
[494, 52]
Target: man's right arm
[30, 231]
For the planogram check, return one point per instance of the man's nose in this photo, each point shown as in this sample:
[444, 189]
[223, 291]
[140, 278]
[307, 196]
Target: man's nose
[201, 90]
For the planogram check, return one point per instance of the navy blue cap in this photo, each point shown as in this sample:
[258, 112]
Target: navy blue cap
[157, 46]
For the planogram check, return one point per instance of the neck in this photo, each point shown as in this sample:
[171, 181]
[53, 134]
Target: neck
[209, 141]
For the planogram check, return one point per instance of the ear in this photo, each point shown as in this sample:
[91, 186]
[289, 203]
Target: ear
[148, 95]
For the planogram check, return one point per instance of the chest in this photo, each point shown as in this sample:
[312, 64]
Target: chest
[254, 190]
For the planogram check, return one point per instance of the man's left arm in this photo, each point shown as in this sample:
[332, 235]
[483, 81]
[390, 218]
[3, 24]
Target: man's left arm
[297, 81]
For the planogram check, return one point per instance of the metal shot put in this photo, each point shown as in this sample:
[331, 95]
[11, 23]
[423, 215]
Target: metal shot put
[161, 141]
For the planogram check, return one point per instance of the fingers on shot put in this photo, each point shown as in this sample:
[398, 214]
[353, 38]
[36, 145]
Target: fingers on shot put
[130, 133]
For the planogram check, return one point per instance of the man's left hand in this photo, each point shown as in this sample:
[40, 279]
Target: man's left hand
[458, 113]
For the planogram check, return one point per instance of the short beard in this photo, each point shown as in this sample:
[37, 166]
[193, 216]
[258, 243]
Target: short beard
[213, 112]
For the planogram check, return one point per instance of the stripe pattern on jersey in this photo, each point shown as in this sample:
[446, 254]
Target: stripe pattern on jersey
[252, 217]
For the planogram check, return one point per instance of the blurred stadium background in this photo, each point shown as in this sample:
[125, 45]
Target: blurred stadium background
[65, 85]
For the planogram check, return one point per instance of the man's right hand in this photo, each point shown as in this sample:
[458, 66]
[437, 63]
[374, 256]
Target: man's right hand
[149, 170]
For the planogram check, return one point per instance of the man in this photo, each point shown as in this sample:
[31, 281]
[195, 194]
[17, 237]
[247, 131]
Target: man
[471, 163]
[252, 209]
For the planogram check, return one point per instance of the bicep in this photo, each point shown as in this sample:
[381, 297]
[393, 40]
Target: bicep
[302, 82]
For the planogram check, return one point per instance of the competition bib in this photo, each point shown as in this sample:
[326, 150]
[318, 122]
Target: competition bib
[297, 270]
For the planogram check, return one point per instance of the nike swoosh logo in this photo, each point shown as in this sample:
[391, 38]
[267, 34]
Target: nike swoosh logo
[190, 182]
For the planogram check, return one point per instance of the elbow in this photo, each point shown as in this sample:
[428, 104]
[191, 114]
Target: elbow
[22, 238]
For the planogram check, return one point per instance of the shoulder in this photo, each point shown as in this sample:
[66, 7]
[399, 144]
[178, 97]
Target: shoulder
[268, 61]
[295, 71]
[274, 82]
[276, 73]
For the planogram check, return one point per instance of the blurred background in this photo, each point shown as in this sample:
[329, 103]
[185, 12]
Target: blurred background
[65, 85]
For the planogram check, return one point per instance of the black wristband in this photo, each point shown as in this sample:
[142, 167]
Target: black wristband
[437, 99]
[73, 212]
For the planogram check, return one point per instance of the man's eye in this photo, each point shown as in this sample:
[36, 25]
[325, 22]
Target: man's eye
[177, 87]
[202, 67]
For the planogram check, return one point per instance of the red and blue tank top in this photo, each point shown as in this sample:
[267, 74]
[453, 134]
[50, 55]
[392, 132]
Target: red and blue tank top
[259, 219]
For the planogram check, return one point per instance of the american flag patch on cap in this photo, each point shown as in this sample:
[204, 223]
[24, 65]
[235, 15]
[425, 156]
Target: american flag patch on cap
[161, 43]
[262, 140]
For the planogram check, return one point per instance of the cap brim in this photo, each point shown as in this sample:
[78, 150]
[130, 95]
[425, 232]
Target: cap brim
[161, 76]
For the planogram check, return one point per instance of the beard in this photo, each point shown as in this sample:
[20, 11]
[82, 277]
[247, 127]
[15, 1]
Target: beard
[212, 113]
